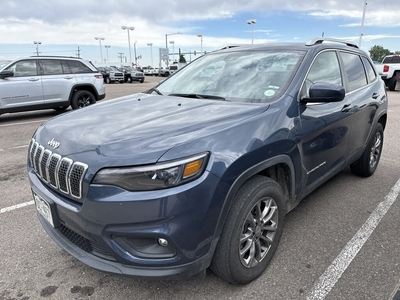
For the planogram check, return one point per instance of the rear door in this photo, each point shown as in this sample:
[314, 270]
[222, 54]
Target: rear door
[58, 81]
[363, 91]
[22, 90]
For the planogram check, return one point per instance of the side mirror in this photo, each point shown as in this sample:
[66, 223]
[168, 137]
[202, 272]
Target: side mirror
[325, 92]
[4, 74]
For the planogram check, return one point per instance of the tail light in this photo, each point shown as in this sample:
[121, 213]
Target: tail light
[98, 76]
[385, 68]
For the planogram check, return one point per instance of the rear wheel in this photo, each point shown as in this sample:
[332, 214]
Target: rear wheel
[392, 83]
[108, 80]
[81, 99]
[129, 80]
[366, 165]
[252, 231]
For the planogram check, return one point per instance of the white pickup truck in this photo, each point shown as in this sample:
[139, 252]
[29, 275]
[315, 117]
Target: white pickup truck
[389, 69]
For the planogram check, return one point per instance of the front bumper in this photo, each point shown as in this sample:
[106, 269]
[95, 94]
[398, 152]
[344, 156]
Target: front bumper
[94, 233]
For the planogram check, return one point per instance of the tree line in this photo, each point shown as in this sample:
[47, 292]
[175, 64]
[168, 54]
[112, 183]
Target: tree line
[377, 52]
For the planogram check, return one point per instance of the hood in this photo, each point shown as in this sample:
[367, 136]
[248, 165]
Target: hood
[139, 129]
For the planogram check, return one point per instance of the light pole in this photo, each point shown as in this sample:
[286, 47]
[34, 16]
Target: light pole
[362, 24]
[252, 22]
[129, 41]
[201, 42]
[37, 43]
[166, 41]
[107, 52]
[134, 48]
[173, 51]
[151, 52]
[101, 52]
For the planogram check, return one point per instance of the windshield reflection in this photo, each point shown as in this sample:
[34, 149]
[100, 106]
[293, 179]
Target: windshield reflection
[241, 76]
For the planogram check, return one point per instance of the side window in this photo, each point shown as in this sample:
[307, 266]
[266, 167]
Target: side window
[325, 69]
[51, 67]
[370, 69]
[24, 68]
[65, 67]
[354, 70]
[78, 67]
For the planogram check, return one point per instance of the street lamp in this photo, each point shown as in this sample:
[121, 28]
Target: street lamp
[129, 41]
[107, 52]
[252, 22]
[101, 52]
[37, 43]
[166, 41]
[173, 51]
[201, 42]
[151, 51]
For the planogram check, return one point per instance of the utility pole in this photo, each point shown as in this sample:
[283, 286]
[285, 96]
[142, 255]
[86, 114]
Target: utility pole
[362, 24]
[78, 53]
[120, 56]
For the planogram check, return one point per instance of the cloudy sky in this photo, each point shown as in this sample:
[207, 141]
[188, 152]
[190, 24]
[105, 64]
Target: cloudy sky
[63, 26]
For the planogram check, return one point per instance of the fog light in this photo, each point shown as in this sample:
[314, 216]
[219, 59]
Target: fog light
[162, 242]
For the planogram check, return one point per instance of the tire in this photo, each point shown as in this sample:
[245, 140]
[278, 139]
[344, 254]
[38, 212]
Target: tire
[392, 83]
[82, 99]
[366, 165]
[141, 80]
[166, 74]
[108, 80]
[129, 80]
[61, 108]
[121, 81]
[233, 259]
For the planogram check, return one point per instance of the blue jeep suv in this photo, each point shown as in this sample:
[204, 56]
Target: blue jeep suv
[200, 170]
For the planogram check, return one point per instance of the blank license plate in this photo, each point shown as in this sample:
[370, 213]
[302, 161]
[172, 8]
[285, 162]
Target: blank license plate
[43, 208]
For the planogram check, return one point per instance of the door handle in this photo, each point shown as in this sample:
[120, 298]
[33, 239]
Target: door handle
[33, 79]
[346, 108]
[375, 95]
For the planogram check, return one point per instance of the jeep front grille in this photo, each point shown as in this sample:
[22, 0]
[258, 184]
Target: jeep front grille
[62, 173]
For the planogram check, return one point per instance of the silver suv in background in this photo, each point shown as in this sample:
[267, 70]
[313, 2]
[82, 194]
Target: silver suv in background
[44, 82]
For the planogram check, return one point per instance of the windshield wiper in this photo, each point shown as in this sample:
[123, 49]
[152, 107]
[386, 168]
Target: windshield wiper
[154, 90]
[198, 96]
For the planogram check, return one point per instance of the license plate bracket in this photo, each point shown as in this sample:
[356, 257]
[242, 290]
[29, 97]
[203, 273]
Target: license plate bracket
[44, 209]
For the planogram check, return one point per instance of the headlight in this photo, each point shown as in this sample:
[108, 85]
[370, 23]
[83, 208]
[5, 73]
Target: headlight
[154, 177]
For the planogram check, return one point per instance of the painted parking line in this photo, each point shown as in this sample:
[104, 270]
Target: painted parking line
[22, 123]
[332, 274]
[10, 208]
[16, 147]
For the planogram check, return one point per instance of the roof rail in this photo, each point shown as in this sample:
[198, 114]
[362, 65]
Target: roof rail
[319, 40]
[231, 46]
[56, 56]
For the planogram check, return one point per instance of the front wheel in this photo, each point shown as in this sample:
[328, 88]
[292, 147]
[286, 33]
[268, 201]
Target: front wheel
[81, 99]
[141, 80]
[252, 231]
[129, 80]
[368, 162]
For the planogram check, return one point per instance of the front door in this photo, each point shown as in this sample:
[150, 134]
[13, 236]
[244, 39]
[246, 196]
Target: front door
[24, 89]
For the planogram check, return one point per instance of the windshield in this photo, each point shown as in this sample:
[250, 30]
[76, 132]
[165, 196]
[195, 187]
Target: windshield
[240, 76]
[3, 63]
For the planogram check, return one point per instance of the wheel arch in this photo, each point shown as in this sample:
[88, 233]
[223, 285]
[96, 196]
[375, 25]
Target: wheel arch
[279, 168]
[86, 87]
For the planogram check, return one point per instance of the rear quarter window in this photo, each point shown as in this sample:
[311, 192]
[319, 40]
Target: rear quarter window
[78, 67]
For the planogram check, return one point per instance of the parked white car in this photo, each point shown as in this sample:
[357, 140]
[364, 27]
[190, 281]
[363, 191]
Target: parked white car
[49, 82]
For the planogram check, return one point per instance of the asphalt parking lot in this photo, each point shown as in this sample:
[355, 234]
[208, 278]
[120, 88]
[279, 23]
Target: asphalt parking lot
[341, 242]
